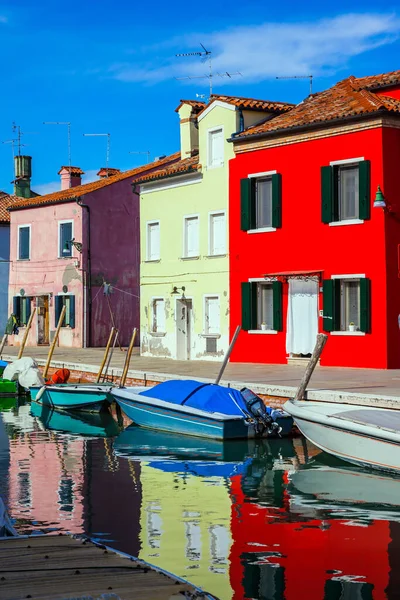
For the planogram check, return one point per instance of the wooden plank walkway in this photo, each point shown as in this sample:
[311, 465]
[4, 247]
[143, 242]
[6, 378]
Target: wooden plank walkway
[54, 567]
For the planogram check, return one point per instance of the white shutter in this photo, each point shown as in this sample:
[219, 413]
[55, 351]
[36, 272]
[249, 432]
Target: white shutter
[153, 233]
[217, 234]
[192, 236]
[212, 314]
[159, 316]
[216, 148]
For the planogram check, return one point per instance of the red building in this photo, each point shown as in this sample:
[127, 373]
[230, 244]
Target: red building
[313, 247]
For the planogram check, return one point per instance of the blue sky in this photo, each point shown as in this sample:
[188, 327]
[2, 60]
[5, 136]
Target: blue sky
[111, 67]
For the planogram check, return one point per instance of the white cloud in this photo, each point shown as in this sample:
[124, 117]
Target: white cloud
[264, 51]
[90, 175]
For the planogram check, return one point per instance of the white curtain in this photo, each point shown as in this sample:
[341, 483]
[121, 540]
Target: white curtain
[302, 316]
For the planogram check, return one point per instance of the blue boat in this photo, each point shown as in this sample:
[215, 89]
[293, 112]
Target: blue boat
[76, 423]
[201, 409]
[73, 396]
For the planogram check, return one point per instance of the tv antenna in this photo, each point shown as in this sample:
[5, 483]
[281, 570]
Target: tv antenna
[204, 55]
[17, 130]
[13, 142]
[108, 144]
[142, 152]
[310, 77]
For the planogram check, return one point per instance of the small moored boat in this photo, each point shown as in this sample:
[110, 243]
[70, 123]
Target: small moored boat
[80, 423]
[72, 396]
[202, 409]
[361, 435]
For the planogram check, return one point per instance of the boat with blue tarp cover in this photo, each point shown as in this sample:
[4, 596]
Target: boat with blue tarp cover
[202, 409]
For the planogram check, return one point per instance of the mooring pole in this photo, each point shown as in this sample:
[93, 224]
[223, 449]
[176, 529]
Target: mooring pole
[105, 354]
[53, 345]
[227, 355]
[28, 327]
[319, 346]
[128, 359]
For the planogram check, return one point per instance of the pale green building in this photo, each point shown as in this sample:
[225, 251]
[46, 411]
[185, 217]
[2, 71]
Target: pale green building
[184, 270]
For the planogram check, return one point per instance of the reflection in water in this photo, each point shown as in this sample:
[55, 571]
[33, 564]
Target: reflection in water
[267, 520]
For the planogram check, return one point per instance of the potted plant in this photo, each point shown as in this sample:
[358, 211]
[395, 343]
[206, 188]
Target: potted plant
[264, 326]
[351, 326]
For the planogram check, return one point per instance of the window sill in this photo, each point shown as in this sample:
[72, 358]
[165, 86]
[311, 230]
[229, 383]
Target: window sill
[215, 336]
[189, 257]
[263, 331]
[155, 260]
[262, 230]
[211, 167]
[216, 255]
[64, 257]
[157, 333]
[348, 333]
[23, 259]
[346, 222]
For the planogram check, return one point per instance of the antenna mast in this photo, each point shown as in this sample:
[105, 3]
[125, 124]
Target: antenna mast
[68, 124]
[108, 144]
[310, 77]
[142, 152]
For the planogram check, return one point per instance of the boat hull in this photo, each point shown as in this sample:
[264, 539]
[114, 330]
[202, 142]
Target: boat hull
[73, 397]
[352, 442]
[163, 416]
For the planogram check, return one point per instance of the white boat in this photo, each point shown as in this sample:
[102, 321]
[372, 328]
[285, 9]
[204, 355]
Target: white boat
[361, 435]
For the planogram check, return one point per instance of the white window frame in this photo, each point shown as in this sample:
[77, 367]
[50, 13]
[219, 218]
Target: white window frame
[184, 244]
[210, 216]
[205, 334]
[30, 241]
[153, 314]
[59, 236]
[148, 223]
[339, 163]
[348, 276]
[262, 331]
[209, 132]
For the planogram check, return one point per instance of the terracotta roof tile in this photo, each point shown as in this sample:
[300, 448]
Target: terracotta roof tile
[6, 200]
[196, 104]
[70, 194]
[74, 170]
[187, 165]
[108, 172]
[343, 100]
[253, 104]
[374, 82]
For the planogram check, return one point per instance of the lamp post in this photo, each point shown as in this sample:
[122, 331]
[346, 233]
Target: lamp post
[68, 243]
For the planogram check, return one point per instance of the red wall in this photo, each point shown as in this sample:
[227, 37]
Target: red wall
[304, 243]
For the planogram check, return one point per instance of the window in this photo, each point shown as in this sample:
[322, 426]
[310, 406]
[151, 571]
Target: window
[262, 305]
[153, 240]
[24, 242]
[345, 192]
[65, 235]
[216, 148]
[217, 234]
[347, 304]
[211, 315]
[158, 324]
[22, 309]
[69, 303]
[191, 237]
[261, 202]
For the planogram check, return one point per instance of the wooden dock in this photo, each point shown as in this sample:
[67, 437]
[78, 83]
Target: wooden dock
[51, 567]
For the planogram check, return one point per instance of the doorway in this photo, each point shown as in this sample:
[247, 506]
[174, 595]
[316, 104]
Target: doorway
[302, 316]
[42, 307]
[183, 329]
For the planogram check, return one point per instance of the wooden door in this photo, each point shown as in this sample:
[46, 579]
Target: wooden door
[42, 304]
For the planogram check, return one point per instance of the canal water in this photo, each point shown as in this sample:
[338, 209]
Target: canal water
[265, 520]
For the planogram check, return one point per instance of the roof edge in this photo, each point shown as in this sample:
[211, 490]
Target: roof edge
[189, 170]
[61, 201]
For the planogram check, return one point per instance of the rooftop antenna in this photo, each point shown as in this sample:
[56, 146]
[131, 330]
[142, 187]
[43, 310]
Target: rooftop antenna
[108, 144]
[142, 152]
[204, 55]
[13, 142]
[68, 124]
[310, 77]
[17, 129]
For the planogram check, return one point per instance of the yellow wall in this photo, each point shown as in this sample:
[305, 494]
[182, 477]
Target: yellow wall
[168, 201]
[185, 527]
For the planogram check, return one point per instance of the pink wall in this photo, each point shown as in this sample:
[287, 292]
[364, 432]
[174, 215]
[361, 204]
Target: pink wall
[45, 273]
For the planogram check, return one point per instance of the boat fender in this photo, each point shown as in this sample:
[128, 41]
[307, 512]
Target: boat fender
[40, 393]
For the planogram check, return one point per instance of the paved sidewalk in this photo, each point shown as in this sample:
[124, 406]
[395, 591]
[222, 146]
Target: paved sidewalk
[327, 383]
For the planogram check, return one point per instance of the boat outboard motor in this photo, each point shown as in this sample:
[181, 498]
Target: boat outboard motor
[257, 410]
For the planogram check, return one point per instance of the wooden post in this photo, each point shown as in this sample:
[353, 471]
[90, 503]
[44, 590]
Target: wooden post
[28, 327]
[53, 345]
[105, 354]
[227, 355]
[128, 359]
[319, 346]
[3, 342]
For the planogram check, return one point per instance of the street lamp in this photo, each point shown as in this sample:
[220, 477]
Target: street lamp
[77, 245]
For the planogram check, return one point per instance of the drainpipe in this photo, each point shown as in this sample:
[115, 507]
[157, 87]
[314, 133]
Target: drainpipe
[88, 275]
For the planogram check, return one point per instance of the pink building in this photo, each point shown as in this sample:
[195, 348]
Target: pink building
[79, 247]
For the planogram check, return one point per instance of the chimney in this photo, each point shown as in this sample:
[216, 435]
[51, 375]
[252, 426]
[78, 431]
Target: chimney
[107, 172]
[188, 110]
[23, 173]
[70, 177]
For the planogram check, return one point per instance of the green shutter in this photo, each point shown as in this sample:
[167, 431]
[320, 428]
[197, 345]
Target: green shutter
[27, 308]
[249, 306]
[276, 200]
[72, 312]
[365, 305]
[277, 305]
[247, 201]
[58, 304]
[17, 307]
[327, 194]
[331, 303]
[364, 189]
